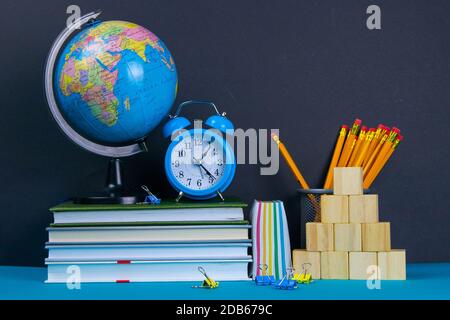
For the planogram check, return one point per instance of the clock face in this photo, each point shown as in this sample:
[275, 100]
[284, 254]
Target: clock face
[198, 162]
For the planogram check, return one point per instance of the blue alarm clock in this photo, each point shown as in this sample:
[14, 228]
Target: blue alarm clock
[199, 163]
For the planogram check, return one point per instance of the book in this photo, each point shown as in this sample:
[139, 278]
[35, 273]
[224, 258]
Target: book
[69, 212]
[153, 223]
[147, 251]
[230, 231]
[145, 271]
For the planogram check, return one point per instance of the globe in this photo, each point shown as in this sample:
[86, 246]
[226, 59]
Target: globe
[114, 82]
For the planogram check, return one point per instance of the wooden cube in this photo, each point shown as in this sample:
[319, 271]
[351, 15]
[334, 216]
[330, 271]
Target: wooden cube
[359, 262]
[300, 257]
[347, 237]
[392, 265]
[348, 181]
[376, 236]
[334, 209]
[334, 265]
[319, 236]
[363, 208]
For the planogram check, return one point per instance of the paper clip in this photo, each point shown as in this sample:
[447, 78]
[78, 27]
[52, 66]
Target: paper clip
[264, 279]
[208, 283]
[305, 277]
[287, 282]
[150, 198]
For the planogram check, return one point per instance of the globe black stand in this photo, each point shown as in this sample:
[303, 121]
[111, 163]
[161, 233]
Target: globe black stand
[114, 189]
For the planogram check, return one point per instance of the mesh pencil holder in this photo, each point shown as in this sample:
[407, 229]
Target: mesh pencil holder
[309, 209]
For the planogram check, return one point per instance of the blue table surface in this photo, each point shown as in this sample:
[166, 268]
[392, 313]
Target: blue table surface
[425, 281]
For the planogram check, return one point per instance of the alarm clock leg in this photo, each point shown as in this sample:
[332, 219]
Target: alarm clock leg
[180, 195]
[220, 196]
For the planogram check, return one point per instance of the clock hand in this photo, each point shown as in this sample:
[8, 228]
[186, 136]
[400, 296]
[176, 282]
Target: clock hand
[207, 172]
[201, 172]
[200, 166]
[207, 149]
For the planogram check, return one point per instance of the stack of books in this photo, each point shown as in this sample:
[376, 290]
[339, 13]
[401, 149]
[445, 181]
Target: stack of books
[143, 242]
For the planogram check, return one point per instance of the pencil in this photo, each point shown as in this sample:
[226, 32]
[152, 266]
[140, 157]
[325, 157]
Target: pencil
[368, 182]
[364, 147]
[378, 163]
[336, 153]
[349, 143]
[290, 162]
[373, 144]
[361, 138]
[372, 157]
[297, 174]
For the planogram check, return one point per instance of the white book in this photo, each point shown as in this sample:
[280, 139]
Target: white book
[147, 271]
[201, 214]
[167, 211]
[149, 233]
[146, 251]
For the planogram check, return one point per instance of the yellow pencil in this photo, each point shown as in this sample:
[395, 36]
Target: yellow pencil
[290, 162]
[295, 170]
[378, 163]
[349, 143]
[363, 149]
[379, 144]
[373, 144]
[358, 143]
[336, 153]
[370, 179]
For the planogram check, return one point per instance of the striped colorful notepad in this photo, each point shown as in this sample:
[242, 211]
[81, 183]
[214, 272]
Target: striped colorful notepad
[270, 234]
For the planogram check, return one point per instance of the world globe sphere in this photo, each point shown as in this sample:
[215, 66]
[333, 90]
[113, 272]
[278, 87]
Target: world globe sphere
[114, 82]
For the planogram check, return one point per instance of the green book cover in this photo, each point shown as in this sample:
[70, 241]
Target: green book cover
[156, 223]
[165, 205]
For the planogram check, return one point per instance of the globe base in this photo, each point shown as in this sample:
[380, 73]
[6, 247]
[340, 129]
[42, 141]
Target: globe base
[114, 189]
[107, 200]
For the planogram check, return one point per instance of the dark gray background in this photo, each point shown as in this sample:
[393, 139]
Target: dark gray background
[305, 67]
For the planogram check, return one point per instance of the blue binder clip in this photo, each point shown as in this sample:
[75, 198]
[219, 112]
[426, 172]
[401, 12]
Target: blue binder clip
[264, 279]
[150, 198]
[287, 283]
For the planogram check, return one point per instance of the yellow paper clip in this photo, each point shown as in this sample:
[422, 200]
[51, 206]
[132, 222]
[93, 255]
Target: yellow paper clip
[208, 283]
[305, 277]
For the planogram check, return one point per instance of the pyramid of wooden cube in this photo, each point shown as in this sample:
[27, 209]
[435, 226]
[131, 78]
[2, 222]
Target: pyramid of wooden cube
[347, 237]
[334, 209]
[348, 181]
[359, 264]
[376, 236]
[319, 236]
[363, 208]
[392, 265]
[334, 265]
[309, 260]
[349, 242]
